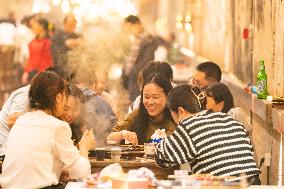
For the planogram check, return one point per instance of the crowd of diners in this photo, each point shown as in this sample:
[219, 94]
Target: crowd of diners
[48, 127]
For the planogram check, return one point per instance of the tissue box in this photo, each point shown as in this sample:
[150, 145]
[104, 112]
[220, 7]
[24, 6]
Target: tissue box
[130, 183]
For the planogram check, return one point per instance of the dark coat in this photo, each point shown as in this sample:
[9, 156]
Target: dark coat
[145, 55]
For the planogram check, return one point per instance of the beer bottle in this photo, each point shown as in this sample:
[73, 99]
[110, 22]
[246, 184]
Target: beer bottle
[261, 82]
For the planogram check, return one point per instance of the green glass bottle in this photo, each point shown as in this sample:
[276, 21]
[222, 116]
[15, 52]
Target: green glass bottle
[261, 82]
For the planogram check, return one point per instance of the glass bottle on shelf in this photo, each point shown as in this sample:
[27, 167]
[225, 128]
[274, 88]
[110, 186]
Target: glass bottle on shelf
[261, 82]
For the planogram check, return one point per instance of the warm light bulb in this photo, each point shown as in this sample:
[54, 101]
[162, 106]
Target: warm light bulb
[188, 27]
[41, 6]
[65, 6]
[188, 18]
[179, 18]
[78, 11]
[56, 2]
[75, 1]
[179, 25]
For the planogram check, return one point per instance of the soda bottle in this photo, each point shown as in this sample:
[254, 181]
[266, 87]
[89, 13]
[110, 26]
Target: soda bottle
[261, 82]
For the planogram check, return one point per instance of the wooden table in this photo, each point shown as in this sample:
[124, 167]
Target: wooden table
[80, 185]
[127, 165]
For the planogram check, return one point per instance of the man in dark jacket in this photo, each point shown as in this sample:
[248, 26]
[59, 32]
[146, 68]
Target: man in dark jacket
[63, 41]
[141, 53]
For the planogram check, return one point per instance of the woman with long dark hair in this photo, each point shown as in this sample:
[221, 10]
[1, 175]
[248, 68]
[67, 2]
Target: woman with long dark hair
[73, 111]
[152, 114]
[39, 50]
[39, 144]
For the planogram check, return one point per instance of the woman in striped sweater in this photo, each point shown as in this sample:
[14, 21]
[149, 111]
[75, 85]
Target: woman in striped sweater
[211, 142]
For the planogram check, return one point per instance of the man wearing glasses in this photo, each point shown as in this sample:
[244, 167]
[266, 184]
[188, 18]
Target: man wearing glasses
[205, 74]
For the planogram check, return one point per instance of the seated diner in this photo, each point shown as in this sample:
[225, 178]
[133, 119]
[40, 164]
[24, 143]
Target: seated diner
[153, 114]
[40, 145]
[220, 99]
[211, 142]
[73, 111]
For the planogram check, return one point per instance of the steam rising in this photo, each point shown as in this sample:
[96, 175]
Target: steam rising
[101, 47]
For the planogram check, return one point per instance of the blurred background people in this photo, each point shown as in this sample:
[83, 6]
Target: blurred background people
[24, 36]
[7, 30]
[142, 51]
[39, 50]
[11, 18]
[64, 40]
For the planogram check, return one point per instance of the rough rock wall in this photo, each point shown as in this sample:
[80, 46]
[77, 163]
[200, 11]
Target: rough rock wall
[265, 19]
[242, 48]
[221, 39]
[278, 58]
[264, 38]
[213, 29]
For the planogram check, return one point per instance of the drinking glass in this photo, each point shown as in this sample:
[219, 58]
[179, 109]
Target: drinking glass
[149, 149]
[100, 154]
[115, 154]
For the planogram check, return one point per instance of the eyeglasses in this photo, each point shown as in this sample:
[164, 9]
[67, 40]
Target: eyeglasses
[199, 97]
[69, 86]
[193, 81]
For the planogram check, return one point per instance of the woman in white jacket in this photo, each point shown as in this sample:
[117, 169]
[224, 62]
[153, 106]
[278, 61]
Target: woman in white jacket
[39, 144]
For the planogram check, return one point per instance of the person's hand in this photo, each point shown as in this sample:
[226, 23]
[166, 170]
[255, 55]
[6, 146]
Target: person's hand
[25, 77]
[12, 118]
[161, 133]
[87, 141]
[64, 177]
[130, 136]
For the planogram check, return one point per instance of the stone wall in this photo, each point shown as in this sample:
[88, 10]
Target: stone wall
[223, 23]
[212, 39]
[218, 34]
[264, 19]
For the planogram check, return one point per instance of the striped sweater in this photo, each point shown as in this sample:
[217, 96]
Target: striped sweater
[211, 143]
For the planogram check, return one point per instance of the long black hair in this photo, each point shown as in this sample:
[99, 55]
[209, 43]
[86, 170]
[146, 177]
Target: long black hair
[143, 118]
[78, 126]
[73, 90]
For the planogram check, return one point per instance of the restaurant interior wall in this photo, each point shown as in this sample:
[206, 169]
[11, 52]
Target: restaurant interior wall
[218, 32]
